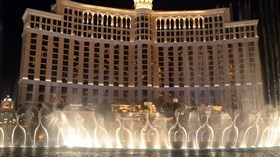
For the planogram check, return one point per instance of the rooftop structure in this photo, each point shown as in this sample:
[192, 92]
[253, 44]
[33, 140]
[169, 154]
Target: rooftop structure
[7, 103]
[143, 4]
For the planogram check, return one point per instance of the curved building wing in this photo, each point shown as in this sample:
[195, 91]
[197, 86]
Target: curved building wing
[81, 53]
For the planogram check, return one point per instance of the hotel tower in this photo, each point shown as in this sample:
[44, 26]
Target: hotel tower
[83, 54]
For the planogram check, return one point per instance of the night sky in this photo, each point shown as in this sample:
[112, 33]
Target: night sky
[11, 27]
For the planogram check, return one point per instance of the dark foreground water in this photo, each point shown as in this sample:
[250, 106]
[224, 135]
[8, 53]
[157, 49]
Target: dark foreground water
[88, 152]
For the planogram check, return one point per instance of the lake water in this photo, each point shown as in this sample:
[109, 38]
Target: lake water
[90, 152]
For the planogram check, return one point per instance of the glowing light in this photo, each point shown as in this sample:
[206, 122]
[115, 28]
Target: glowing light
[143, 4]
[83, 129]
[41, 136]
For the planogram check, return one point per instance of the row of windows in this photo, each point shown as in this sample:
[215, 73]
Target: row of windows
[205, 67]
[83, 62]
[48, 24]
[240, 32]
[189, 36]
[79, 61]
[211, 32]
[97, 26]
[110, 33]
[85, 96]
[143, 26]
[106, 20]
[178, 23]
[96, 18]
[205, 35]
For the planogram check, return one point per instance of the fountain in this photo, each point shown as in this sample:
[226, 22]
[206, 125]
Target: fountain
[227, 135]
[83, 129]
[187, 129]
[42, 132]
[177, 134]
[122, 140]
[205, 134]
[17, 126]
[150, 135]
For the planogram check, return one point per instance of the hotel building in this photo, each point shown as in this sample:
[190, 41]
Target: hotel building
[83, 54]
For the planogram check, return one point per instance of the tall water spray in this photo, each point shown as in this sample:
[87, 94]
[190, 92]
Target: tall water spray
[153, 131]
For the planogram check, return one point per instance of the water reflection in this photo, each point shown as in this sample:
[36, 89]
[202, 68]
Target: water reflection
[88, 152]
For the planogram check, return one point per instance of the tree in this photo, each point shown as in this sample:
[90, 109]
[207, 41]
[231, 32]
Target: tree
[159, 103]
[103, 108]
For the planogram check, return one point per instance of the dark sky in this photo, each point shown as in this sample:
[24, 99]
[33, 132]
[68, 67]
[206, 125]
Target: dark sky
[11, 27]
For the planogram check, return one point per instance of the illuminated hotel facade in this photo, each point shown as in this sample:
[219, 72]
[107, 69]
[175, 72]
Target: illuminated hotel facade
[84, 53]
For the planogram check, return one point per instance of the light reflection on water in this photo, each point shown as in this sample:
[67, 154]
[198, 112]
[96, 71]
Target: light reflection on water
[84, 152]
